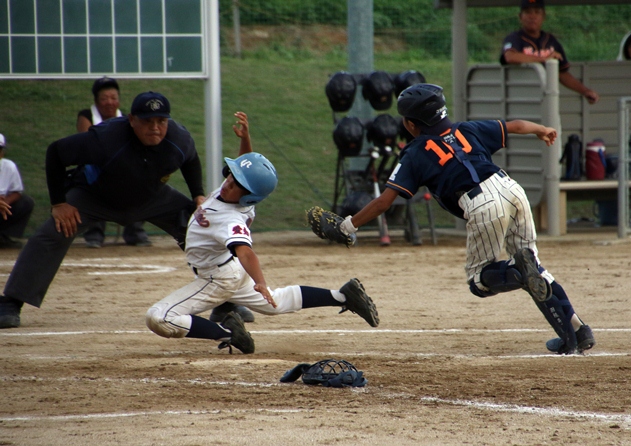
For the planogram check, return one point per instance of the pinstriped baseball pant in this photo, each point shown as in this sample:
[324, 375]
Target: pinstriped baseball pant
[498, 218]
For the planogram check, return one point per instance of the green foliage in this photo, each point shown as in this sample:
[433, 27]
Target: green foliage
[280, 84]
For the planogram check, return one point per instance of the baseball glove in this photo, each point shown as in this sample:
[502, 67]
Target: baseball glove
[326, 225]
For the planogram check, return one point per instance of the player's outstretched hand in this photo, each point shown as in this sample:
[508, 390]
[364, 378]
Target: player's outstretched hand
[548, 135]
[241, 128]
[266, 294]
[66, 218]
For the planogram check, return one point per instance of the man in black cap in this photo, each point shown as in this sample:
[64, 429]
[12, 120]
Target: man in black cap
[131, 159]
[106, 105]
[532, 45]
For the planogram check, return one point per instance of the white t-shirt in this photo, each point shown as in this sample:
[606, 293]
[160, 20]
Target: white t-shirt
[10, 180]
[213, 227]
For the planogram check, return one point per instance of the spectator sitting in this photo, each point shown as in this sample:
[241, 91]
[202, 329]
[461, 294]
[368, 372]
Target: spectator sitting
[106, 103]
[532, 45]
[12, 193]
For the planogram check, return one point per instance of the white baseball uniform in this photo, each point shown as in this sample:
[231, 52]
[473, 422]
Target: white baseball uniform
[213, 231]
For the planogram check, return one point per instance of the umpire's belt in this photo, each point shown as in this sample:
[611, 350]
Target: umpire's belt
[478, 190]
[218, 266]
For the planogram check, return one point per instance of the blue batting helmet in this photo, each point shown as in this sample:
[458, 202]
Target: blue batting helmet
[256, 174]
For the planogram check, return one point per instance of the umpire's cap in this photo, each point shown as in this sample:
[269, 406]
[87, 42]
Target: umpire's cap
[150, 104]
[102, 83]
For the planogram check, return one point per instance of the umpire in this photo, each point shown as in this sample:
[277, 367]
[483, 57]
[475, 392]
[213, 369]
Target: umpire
[125, 166]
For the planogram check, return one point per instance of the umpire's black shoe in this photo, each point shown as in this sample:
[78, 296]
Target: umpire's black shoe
[10, 312]
[7, 242]
[584, 341]
[240, 337]
[359, 302]
[219, 313]
[533, 281]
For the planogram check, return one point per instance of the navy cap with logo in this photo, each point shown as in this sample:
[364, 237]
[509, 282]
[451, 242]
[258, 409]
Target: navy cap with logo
[525, 4]
[150, 104]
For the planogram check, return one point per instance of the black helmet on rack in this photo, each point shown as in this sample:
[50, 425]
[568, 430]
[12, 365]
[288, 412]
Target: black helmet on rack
[348, 136]
[423, 102]
[382, 131]
[340, 91]
[378, 88]
[407, 79]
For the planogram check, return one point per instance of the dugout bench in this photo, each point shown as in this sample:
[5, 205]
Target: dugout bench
[532, 92]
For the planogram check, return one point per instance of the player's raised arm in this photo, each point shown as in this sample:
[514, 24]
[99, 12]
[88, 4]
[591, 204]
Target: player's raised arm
[241, 129]
[522, 127]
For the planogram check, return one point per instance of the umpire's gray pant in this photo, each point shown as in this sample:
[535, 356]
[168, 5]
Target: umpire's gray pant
[39, 260]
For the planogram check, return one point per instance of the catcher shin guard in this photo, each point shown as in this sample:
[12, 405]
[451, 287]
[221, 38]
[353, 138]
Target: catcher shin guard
[359, 302]
[498, 277]
[558, 312]
[533, 282]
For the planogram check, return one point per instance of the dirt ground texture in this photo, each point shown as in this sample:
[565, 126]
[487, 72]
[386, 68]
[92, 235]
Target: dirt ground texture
[443, 367]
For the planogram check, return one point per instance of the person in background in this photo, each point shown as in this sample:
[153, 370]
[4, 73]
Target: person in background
[625, 48]
[106, 106]
[531, 45]
[12, 195]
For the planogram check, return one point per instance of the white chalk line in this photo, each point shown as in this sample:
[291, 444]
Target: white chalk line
[550, 411]
[378, 331]
[151, 413]
[125, 267]
[494, 407]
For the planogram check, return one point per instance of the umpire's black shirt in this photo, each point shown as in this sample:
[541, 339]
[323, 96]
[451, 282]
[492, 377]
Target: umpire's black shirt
[118, 168]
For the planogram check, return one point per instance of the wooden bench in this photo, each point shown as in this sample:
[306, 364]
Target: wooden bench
[577, 190]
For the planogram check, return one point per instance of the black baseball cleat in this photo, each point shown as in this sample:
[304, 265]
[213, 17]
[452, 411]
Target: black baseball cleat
[219, 313]
[533, 281]
[359, 302]
[240, 337]
[584, 341]
[10, 312]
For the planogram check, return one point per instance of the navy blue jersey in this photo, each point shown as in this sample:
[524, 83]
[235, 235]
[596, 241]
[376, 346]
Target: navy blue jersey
[450, 164]
[119, 169]
[544, 46]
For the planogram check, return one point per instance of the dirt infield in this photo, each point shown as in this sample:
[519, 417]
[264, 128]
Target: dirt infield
[443, 368]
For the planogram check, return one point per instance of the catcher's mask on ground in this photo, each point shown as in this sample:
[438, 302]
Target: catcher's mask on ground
[328, 372]
[255, 173]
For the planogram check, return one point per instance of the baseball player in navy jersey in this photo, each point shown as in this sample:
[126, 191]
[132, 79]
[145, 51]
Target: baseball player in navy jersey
[219, 251]
[533, 45]
[454, 161]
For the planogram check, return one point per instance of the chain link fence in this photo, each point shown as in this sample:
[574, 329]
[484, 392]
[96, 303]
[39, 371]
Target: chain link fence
[587, 32]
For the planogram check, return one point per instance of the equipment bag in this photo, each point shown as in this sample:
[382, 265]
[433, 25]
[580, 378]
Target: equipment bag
[595, 164]
[573, 157]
